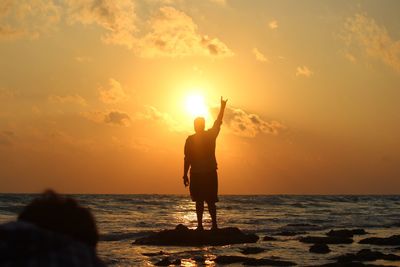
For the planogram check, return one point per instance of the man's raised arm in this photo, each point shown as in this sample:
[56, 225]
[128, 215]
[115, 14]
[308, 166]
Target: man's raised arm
[221, 110]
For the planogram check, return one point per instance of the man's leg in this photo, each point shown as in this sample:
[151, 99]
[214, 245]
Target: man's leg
[199, 212]
[212, 209]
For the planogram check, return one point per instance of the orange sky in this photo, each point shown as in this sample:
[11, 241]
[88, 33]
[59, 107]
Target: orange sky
[92, 94]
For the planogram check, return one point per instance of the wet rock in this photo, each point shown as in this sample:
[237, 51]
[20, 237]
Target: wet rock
[290, 233]
[252, 261]
[166, 262]
[267, 262]
[163, 262]
[269, 238]
[151, 254]
[393, 240]
[183, 236]
[320, 248]
[177, 262]
[199, 258]
[346, 233]
[252, 250]
[351, 264]
[367, 255]
[230, 259]
[325, 240]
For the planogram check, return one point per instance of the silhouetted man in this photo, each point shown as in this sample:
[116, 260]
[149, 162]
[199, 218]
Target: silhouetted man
[200, 158]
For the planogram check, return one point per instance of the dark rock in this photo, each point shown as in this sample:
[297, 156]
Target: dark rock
[163, 262]
[252, 250]
[269, 238]
[326, 240]
[290, 233]
[230, 259]
[182, 236]
[252, 261]
[199, 259]
[393, 240]
[367, 255]
[151, 254]
[268, 262]
[346, 233]
[320, 248]
[177, 262]
[351, 264]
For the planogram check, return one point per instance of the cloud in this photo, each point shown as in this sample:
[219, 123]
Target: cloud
[27, 19]
[113, 94]
[6, 138]
[74, 99]
[249, 125]
[113, 117]
[273, 24]
[304, 71]
[117, 118]
[151, 113]
[118, 18]
[363, 32]
[174, 34]
[259, 56]
[6, 93]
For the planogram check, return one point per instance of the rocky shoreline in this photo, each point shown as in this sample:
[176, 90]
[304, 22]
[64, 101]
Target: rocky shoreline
[319, 244]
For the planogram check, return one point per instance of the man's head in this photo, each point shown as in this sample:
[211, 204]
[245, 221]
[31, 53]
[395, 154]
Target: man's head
[62, 215]
[199, 124]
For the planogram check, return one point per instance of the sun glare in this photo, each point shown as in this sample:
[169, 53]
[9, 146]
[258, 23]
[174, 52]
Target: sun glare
[196, 106]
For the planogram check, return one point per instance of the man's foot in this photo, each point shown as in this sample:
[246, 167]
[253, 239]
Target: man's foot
[200, 228]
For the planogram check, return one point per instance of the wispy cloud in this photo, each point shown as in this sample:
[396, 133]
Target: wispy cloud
[118, 18]
[273, 24]
[151, 113]
[114, 93]
[259, 56]
[246, 124]
[6, 138]
[27, 19]
[74, 99]
[304, 71]
[364, 32]
[174, 34]
[112, 117]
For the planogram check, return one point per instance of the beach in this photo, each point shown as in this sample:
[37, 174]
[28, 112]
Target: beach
[123, 218]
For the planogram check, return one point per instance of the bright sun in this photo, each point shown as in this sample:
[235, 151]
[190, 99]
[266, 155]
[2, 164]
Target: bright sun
[195, 105]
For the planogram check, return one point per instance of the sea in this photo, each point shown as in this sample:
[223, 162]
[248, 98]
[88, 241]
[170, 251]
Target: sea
[123, 218]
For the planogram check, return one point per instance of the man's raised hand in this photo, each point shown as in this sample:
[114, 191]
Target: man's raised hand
[223, 102]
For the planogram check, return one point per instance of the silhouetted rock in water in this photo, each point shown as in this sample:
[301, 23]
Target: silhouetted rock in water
[346, 233]
[152, 254]
[166, 262]
[183, 236]
[199, 258]
[269, 238]
[320, 248]
[367, 255]
[251, 250]
[393, 240]
[325, 240]
[268, 262]
[351, 264]
[230, 259]
[251, 261]
[290, 233]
